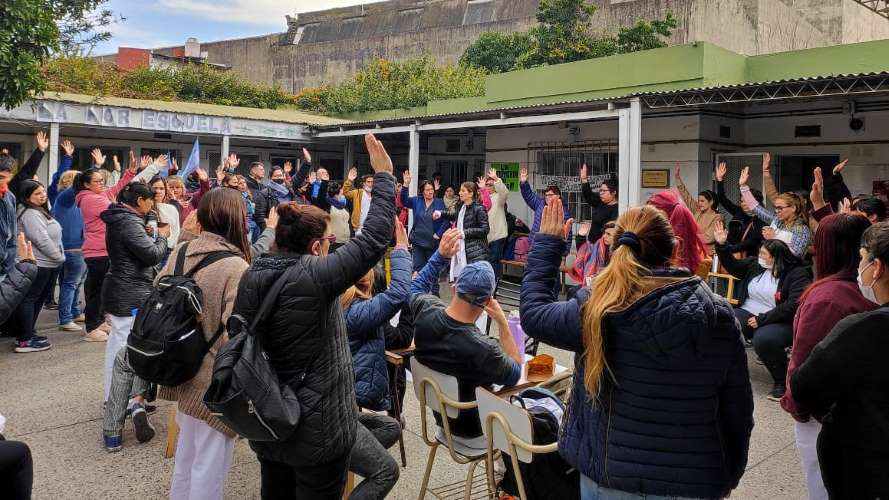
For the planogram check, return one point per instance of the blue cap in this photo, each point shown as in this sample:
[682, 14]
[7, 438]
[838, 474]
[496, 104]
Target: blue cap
[476, 283]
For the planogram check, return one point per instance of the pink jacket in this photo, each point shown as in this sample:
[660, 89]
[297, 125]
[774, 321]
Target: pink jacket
[91, 205]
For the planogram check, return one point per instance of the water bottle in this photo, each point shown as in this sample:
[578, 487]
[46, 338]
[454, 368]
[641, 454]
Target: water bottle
[151, 221]
[515, 327]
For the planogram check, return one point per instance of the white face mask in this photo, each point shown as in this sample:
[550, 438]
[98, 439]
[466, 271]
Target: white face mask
[867, 290]
[764, 264]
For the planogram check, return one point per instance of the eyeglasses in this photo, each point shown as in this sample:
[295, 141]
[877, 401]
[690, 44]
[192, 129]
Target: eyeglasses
[331, 238]
[778, 209]
[604, 190]
[549, 194]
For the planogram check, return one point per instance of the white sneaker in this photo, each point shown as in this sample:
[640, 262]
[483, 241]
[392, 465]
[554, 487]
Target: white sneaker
[70, 327]
[80, 319]
[96, 336]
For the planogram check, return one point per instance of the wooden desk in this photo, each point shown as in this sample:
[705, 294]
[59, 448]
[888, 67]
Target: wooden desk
[525, 381]
[397, 359]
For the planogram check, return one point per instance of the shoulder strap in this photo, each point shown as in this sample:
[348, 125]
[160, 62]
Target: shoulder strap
[180, 260]
[209, 259]
[271, 298]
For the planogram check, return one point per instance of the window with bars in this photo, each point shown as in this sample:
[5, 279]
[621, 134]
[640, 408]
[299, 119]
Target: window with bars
[559, 164]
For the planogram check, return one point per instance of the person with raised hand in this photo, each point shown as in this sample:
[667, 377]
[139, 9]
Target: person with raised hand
[93, 198]
[359, 196]
[628, 377]
[788, 223]
[306, 334]
[746, 239]
[498, 236]
[705, 209]
[29, 169]
[602, 200]
[538, 204]
[430, 220]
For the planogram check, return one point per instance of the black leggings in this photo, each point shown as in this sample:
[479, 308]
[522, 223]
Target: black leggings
[16, 470]
[96, 269]
[280, 481]
[770, 343]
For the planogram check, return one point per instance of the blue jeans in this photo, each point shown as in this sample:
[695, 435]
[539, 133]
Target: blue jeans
[495, 254]
[589, 490]
[73, 274]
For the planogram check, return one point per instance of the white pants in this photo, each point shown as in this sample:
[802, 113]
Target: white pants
[117, 340]
[203, 457]
[806, 443]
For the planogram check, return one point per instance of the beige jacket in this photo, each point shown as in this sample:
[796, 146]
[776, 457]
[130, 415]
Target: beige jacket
[497, 214]
[706, 220]
[219, 284]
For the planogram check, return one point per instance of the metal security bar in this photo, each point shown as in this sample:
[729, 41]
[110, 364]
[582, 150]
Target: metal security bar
[820, 87]
[558, 163]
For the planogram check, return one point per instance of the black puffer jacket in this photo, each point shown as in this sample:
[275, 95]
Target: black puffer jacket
[475, 231]
[307, 331]
[132, 255]
[264, 200]
[14, 287]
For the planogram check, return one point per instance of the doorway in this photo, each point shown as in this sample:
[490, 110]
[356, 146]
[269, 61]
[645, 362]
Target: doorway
[795, 173]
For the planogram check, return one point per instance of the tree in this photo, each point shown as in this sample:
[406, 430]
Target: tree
[496, 52]
[28, 34]
[83, 24]
[645, 35]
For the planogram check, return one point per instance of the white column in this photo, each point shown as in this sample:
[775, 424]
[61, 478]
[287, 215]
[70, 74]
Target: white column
[414, 167]
[223, 152]
[53, 156]
[348, 155]
[630, 156]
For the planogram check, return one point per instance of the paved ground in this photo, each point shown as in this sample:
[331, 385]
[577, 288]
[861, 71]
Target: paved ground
[52, 401]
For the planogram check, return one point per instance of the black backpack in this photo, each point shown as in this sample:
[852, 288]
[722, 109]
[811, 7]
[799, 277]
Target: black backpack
[166, 345]
[245, 392]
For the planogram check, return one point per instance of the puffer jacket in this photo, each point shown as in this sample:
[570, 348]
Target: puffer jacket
[14, 287]
[132, 255]
[365, 324]
[475, 231]
[674, 412]
[307, 332]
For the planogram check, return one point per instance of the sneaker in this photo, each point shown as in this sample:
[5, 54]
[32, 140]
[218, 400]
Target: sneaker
[32, 345]
[95, 336]
[777, 393]
[105, 327]
[113, 444]
[80, 319]
[51, 305]
[144, 429]
[40, 338]
[70, 327]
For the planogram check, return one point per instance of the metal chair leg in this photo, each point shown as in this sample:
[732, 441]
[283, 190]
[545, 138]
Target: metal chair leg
[489, 472]
[429, 461]
[467, 488]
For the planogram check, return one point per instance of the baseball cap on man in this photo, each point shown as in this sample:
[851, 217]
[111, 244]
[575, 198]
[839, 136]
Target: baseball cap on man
[476, 283]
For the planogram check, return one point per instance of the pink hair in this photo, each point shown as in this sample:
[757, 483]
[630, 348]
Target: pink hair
[691, 248]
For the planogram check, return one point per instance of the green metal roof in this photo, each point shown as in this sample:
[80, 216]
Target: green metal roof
[678, 68]
[274, 115]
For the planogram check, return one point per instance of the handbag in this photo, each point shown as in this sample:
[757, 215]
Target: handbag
[245, 392]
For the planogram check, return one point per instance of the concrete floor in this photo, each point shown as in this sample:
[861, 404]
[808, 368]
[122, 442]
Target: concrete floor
[52, 401]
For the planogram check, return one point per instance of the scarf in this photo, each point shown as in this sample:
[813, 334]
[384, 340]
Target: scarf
[591, 260]
[458, 261]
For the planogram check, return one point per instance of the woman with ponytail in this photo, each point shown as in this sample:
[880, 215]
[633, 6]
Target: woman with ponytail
[661, 401]
[690, 251]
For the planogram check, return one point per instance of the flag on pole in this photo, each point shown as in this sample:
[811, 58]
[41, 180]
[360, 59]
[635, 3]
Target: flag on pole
[169, 166]
[193, 162]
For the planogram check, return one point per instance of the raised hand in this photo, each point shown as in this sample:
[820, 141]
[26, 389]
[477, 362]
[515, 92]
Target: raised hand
[450, 243]
[523, 175]
[220, 172]
[846, 206]
[145, 162]
[677, 172]
[132, 163]
[721, 170]
[24, 248]
[272, 220]
[306, 155]
[840, 166]
[553, 220]
[42, 140]
[584, 173]
[161, 161]
[745, 176]
[817, 193]
[288, 167]
[400, 234]
[311, 177]
[766, 164]
[720, 233]
[379, 158]
[323, 175]
[407, 177]
[202, 174]
[769, 233]
[492, 173]
[68, 147]
[98, 157]
[353, 174]
[233, 161]
[116, 163]
[175, 165]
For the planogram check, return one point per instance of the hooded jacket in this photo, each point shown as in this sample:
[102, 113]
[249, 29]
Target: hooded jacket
[365, 324]
[219, 285]
[14, 287]
[307, 332]
[68, 215]
[132, 255]
[674, 412]
[91, 207]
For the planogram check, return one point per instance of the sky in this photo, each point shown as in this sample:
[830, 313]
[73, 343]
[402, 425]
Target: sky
[161, 23]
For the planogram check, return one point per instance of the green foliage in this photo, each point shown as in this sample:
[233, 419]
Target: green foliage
[562, 35]
[384, 84]
[496, 52]
[28, 34]
[196, 83]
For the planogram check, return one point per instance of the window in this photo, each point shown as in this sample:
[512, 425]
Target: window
[175, 153]
[84, 160]
[305, 33]
[479, 11]
[453, 172]
[452, 146]
[808, 131]
[14, 149]
[725, 132]
[559, 164]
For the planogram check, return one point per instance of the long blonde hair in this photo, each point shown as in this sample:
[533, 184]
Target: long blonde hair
[363, 289]
[643, 240]
[67, 179]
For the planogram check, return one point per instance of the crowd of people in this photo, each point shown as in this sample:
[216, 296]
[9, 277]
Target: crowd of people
[661, 401]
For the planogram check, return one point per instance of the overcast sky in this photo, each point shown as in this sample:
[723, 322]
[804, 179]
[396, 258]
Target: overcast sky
[159, 23]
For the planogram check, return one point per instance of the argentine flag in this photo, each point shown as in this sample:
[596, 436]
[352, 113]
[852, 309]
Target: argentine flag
[193, 162]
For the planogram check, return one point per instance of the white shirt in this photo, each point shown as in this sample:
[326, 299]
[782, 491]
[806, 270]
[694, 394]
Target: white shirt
[365, 208]
[761, 294]
[169, 215]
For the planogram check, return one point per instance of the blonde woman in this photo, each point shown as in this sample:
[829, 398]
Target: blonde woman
[184, 201]
[661, 381]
